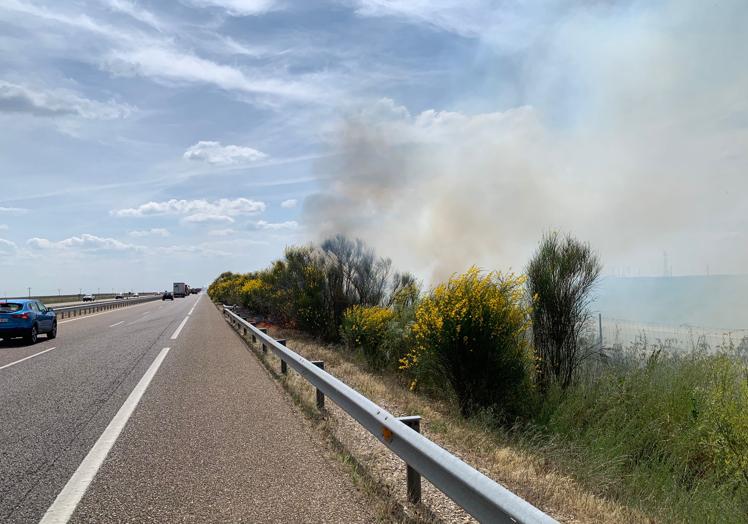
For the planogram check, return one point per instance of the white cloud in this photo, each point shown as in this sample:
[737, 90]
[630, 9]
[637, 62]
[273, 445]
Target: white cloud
[241, 7]
[13, 210]
[276, 226]
[135, 11]
[153, 232]
[290, 203]
[4, 227]
[7, 247]
[222, 210]
[162, 62]
[464, 17]
[16, 98]
[215, 153]
[84, 242]
[208, 217]
[221, 232]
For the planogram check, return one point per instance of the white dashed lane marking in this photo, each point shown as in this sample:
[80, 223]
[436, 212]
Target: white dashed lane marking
[26, 358]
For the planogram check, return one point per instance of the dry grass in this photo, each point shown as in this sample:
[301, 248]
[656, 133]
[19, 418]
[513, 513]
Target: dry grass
[530, 476]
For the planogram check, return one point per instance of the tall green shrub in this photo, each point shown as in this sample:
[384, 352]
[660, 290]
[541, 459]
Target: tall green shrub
[561, 275]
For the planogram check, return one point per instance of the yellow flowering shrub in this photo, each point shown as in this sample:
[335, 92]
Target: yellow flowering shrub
[255, 294]
[471, 333]
[227, 288]
[364, 328]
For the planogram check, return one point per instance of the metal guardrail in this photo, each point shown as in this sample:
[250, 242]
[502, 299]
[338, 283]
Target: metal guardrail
[477, 494]
[93, 307]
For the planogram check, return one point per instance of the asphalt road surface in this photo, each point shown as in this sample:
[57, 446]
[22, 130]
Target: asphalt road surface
[157, 412]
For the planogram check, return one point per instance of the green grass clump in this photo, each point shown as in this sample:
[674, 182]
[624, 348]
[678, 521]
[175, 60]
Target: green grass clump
[669, 436]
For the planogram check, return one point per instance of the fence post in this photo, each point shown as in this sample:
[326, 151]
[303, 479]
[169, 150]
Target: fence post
[413, 477]
[320, 396]
[284, 366]
[600, 328]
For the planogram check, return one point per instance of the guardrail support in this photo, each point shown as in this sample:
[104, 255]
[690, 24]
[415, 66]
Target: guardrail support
[413, 477]
[480, 496]
[264, 347]
[320, 396]
[284, 366]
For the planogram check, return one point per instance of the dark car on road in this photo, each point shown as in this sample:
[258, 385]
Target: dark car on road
[27, 318]
[167, 296]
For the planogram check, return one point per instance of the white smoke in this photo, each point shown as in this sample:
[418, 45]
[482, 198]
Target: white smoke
[634, 137]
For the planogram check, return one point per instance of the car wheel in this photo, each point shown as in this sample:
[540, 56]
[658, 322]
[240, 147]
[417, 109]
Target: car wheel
[32, 336]
[52, 334]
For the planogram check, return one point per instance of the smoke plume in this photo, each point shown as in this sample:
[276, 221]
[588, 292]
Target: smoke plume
[631, 133]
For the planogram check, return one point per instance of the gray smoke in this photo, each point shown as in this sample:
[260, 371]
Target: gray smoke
[634, 137]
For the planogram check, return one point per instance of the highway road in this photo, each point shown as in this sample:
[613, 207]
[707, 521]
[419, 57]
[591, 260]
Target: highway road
[157, 412]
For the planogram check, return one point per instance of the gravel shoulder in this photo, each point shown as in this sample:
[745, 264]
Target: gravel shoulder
[215, 439]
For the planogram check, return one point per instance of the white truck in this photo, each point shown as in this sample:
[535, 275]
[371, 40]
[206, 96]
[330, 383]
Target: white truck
[180, 290]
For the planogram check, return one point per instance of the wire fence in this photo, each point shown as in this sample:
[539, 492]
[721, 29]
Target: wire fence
[619, 334]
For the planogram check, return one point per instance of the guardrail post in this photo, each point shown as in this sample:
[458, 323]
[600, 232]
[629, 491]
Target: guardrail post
[413, 477]
[284, 366]
[320, 396]
[264, 346]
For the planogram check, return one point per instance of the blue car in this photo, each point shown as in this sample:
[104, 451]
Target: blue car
[26, 318]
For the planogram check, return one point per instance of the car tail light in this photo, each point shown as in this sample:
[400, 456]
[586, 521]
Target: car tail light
[24, 316]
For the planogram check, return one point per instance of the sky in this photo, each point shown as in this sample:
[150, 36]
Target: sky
[149, 142]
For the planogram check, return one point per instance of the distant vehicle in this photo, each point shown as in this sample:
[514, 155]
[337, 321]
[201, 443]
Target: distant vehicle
[119, 297]
[136, 295]
[88, 298]
[181, 290]
[167, 296]
[27, 318]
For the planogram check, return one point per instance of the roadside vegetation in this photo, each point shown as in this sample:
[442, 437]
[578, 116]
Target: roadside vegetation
[665, 434]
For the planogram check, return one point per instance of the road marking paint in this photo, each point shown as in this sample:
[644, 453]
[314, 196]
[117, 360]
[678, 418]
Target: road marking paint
[118, 323]
[26, 358]
[191, 310]
[68, 499]
[179, 329]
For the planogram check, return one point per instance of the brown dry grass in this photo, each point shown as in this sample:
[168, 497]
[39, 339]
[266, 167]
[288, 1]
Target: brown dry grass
[531, 476]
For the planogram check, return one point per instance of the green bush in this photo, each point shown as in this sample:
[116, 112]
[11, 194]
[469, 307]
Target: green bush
[471, 333]
[365, 328]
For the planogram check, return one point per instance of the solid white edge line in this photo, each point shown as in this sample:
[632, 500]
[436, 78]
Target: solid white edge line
[118, 323]
[194, 306]
[179, 329]
[26, 358]
[68, 499]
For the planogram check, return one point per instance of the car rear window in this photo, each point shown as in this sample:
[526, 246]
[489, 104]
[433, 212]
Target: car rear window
[10, 307]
